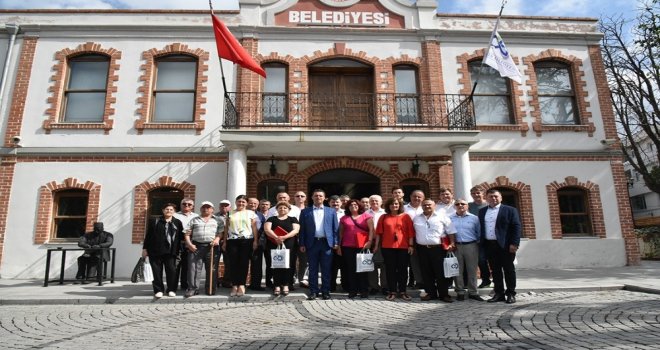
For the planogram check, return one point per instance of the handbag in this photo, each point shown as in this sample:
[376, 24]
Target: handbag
[138, 271]
[279, 258]
[279, 231]
[445, 242]
[364, 261]
[148, 273]
[450, 265]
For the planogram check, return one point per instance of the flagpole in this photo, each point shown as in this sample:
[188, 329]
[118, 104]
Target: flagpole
[490, 40]
[222, 71]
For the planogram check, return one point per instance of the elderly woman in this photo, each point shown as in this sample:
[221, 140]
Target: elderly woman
[356, 230]
[161, 245]
[275, 229]
[396, 232]
[240, 239]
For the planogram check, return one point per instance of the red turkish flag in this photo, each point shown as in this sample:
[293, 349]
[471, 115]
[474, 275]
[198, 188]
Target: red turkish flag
[230, 49]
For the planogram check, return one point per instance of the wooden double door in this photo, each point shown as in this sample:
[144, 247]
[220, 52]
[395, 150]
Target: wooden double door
[341, 98]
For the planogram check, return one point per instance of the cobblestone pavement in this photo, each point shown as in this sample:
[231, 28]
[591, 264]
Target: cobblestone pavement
[553, 320]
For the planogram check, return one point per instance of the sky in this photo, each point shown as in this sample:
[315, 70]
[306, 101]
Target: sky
[566, 8]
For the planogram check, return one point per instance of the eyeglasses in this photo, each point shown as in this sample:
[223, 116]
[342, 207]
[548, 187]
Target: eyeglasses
[187, 204]
[457, 204]
[299, 195]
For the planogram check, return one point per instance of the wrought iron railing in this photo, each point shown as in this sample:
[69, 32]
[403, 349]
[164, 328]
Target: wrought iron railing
[342, 111]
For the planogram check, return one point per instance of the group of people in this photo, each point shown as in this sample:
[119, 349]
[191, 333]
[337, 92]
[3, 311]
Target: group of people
[409, 241]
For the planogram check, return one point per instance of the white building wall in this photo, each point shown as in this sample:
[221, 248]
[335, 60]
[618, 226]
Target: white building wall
[23, 259]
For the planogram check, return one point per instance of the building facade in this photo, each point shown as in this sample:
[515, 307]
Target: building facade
[108, 114]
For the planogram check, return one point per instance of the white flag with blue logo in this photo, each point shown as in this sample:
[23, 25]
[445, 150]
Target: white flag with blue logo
[498, 57]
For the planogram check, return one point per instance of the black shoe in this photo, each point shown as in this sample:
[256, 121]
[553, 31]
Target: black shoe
[419, 285]
[484, 284]
[476, 297]
[385, 292]
[352, 295]
[373, 291]
[496, 298]
[510, 299]
[460, 297]
[326, 296]
[364, 296]
[257, 288]
[311, 296]
[447, 299]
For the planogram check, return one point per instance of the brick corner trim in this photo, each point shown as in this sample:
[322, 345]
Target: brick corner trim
[147, 79]
[58, 78]
[141, 202]
[581, 94]
[525, 195]
[44, 219]
[24, 71]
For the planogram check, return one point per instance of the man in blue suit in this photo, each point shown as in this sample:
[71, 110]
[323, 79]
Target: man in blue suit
[500, 234]
[318, 237]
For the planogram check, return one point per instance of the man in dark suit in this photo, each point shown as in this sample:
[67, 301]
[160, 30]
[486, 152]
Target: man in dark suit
[318, 237]
[500, 234]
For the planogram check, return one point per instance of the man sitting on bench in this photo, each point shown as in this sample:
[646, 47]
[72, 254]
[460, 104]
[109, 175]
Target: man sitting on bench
[89, 260]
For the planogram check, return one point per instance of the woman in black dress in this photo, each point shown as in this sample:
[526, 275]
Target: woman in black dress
[285, 235]
[161, 245]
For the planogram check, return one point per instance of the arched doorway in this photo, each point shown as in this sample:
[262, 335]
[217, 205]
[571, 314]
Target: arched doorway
[354, 183]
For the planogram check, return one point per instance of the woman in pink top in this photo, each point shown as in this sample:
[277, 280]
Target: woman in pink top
[356, 230]
[396, 232]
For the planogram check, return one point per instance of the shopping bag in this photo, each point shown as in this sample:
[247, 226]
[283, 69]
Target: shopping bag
[148, 273]
[364, 261]
[138, 271]
[451, 265]
[279, 258]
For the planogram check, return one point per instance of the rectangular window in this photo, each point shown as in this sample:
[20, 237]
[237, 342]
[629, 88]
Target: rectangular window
[407, 100]
[86, 87]
[274, 104]
[638, 202]
[574, 212]
[492, 98]
[556, 94]
[174, 89]
[70, 214]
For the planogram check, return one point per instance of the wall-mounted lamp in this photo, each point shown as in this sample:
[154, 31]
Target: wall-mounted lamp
[273, 168]
[631, 182]
[414, 169]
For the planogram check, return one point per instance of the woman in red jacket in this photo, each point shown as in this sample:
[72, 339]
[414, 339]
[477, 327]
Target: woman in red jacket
[396, 233]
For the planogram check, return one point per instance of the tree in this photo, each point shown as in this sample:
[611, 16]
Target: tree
[633, 74]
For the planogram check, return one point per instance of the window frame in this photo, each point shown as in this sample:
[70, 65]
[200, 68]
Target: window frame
[173, 57]
[164, 195]
[91, 57]
[284, 117]
[508, 97]
[571, 191]
[268, 192]
[57, 196]
[572, 95]
[407, 96]
[413, 184]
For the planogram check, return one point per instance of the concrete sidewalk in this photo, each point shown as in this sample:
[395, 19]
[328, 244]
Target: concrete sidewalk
[644, 278]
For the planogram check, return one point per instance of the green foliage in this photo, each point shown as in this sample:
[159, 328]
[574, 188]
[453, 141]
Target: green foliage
[651, 238]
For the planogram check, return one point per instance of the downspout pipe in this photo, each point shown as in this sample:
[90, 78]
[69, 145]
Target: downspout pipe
[12, 29]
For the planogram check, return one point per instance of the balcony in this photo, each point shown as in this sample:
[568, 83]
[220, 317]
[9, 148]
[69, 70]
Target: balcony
[379, 111]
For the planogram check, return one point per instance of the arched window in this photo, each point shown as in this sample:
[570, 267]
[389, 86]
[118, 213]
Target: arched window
[86, 89]
[407, 99]
[410, 185]
[492, 97]
[274, 105]
[69, 213]
[174, 89]
[161, 196]
[510, 196]
[268, 189]
[556, 93]
[574, 211]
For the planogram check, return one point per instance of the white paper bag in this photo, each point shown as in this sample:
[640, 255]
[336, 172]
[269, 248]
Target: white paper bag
[148, 273]
[279, 258]
[451, 265]
[364, 261]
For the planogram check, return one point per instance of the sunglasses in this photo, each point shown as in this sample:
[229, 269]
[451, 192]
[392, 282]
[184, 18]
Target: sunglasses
[187, 204]
[460, 204]
[300, 196]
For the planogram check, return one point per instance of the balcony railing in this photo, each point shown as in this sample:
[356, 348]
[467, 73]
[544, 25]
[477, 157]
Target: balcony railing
[342, 111]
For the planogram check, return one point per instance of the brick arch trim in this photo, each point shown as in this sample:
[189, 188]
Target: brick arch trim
[525, 195]
[516, 93]
[43, 227]
[146, 89]
[343, 163]
[593, 197]
[59, 80]
[141, 202]
[581, 94]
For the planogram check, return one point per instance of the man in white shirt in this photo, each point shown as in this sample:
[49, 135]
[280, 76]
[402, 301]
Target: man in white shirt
[377, 284]
[284, 197]
[184, 215]
[413, 209]
[430, 227]
[446, 202]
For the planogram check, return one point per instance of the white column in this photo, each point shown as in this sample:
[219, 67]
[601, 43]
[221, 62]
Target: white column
[461, 168]
[237, 171]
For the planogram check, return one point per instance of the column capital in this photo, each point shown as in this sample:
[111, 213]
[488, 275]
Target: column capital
[231, 146]
[459, 147]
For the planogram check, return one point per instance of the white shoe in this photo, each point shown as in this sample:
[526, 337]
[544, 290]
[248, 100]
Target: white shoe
[158, 295]
[171, 294]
